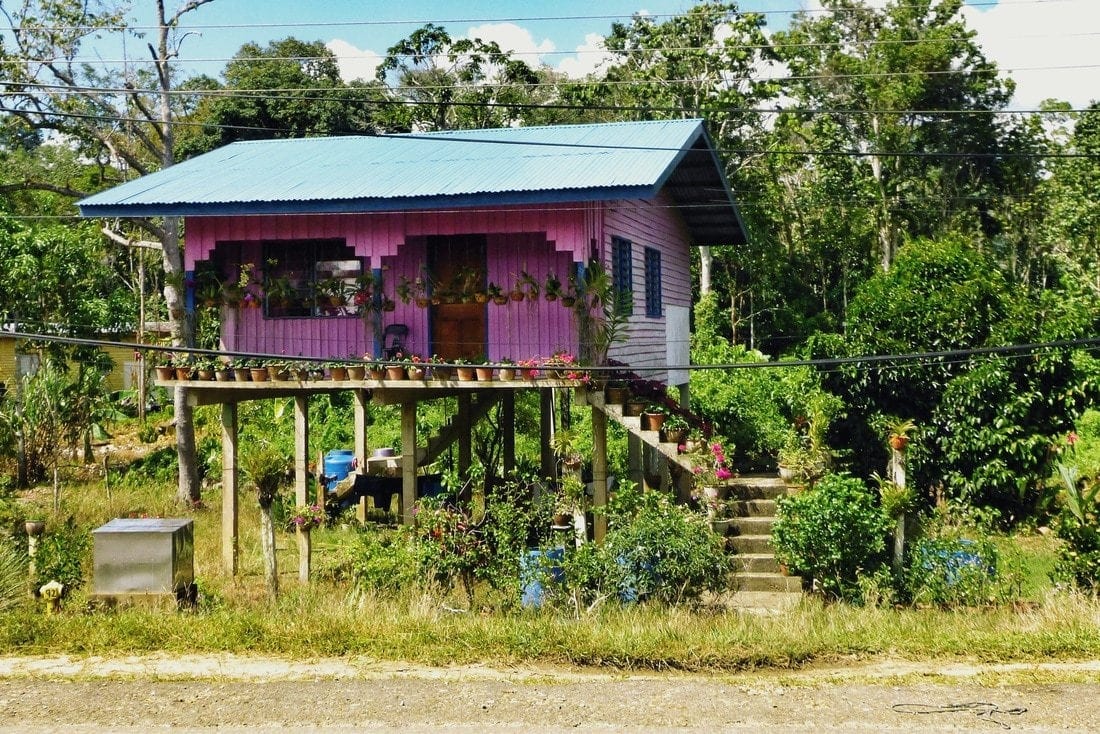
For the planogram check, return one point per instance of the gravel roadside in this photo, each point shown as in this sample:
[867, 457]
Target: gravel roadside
[233, 692]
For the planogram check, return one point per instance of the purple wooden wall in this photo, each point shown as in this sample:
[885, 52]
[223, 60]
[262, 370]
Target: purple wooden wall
[654, 224]
[538, 240]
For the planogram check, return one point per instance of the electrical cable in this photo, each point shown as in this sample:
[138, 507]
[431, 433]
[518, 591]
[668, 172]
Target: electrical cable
[984, 711]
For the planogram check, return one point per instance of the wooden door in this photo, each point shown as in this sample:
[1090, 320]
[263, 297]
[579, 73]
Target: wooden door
[456, 266]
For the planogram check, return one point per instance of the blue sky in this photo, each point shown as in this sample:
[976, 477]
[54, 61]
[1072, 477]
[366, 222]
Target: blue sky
[1047, 44]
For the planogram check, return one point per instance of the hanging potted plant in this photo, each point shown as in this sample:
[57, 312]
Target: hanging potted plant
[552, 287]
[900, 431]
[530, 285]
[498, 296]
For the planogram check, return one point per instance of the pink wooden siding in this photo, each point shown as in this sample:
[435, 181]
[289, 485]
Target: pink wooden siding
[537, 240]
[653, 224]
[520, 330]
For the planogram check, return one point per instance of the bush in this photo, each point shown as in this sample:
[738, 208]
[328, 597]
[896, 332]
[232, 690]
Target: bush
[386, 562]
[832, 533]
[1078, 526]
[13, 575]
[953, 572]
[665, 552]
[63, 555]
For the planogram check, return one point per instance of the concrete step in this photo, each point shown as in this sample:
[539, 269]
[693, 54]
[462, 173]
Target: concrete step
[759, 602]
[752, 581]
[756, 487]
[751, 508]
[750, 543]
[752, 525]
[755, 563]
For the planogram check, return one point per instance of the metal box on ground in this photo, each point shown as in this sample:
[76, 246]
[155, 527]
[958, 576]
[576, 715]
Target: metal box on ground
[147, 557]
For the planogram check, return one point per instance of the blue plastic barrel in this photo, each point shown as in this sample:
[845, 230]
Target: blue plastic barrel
[338, 464]
[537, 566]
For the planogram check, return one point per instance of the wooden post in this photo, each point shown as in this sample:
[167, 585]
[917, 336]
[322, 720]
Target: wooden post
[599, 473]
[408, 461]
[229, 488]
[361, 447]
[508, 430]
[634, 459]
[547, 460]
[301, 480]
[465, 436]
[897, 475]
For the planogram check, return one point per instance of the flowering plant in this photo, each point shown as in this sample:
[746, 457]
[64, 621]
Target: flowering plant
[710, 465]
[307, 517]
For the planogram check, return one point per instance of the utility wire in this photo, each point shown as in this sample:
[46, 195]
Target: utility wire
[511, 53]
[726, 151]
[514, 19]
[890, 360]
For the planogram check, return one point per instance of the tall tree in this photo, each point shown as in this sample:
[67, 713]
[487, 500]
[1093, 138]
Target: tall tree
[890, 67]
[287, 89]
[702, 63]
[445, 83]
[113, 116]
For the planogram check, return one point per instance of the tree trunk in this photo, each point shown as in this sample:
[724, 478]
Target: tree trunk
[706, 265]
[267, 545]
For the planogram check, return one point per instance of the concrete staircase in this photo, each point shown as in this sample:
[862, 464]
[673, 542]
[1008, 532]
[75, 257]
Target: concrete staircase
[752, 504]
[757, 580]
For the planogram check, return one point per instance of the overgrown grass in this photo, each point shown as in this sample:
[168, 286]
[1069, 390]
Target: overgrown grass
[324, 621]
[329, 618]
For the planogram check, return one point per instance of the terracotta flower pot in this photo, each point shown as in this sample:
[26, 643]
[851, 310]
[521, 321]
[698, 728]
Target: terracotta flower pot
[206, 374]
[259, 374]
[224, 375]
[166, 373]
[507, 373]
[898, 443]
[241, 374]
[466, 373]
[484, 374]
[616, 395]
[183, 373]
[652, 421]
[674, 435]
[395, 372]
[338, 373]
[376, 373]
[633, 409]
[415, 373]
[357, 372]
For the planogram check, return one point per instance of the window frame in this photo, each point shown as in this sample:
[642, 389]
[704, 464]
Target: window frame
[622, 275]
[654, 308]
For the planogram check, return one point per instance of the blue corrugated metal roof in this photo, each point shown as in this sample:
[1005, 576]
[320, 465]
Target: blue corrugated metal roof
[423, 171]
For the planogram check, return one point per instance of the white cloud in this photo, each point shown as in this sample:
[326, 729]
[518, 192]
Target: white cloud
[1030, 41]
[511, 37]
[354, 63]
[591, 55]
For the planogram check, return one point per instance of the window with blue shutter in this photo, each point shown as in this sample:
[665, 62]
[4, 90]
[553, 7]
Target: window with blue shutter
[622, 275]
[652, 283]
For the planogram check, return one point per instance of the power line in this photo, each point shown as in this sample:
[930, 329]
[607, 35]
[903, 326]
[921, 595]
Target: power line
[339, 94]
[873, 360]
[513, 19]
[511, 53]
[726, 151]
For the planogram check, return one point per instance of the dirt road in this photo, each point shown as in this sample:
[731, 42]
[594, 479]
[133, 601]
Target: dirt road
[228, 692]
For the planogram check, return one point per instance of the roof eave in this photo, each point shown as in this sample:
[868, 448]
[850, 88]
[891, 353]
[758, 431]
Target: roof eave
[362, 206]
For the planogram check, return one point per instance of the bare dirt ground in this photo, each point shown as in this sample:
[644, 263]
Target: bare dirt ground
[231, 692]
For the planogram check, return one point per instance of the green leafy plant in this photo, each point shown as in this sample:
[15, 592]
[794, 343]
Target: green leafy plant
[664, 551]
[63, 554]
[833, 533]
[13, 576]
[953, 572]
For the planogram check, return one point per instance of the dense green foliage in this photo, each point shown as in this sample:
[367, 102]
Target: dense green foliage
[834, 533]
